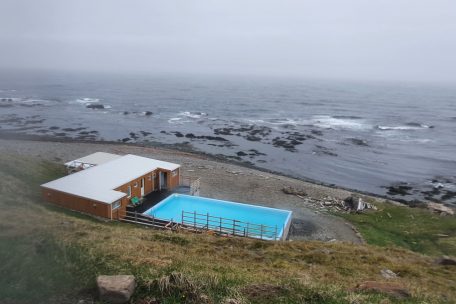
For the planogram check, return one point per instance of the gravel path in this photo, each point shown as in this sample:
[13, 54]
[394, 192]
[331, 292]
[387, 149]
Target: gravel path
[218, 180]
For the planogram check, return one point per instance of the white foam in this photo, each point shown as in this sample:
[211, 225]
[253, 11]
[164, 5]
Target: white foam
[88, 100]
[195, 115]
[329, 122]
[177, 120]
[403, 128]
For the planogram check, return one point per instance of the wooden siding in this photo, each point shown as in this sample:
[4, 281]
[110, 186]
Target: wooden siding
[104, 210]
[77, 203]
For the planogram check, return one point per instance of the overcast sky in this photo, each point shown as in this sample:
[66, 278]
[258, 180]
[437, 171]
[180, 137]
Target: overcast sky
[354, 39]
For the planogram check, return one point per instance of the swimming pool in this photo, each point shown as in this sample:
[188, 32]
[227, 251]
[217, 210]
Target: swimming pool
[224, 216]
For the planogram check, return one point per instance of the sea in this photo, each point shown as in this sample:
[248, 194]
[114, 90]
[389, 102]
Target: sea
[391, 139]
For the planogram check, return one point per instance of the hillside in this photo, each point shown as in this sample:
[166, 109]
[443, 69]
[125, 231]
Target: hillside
[51, 255]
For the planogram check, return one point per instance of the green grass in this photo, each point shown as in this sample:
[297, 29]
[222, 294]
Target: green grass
[416, 229]
[53, 255]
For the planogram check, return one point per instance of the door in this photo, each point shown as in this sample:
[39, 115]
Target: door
[163, 180]
[142, 186]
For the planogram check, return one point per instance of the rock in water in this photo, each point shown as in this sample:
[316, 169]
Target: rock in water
[116, 289]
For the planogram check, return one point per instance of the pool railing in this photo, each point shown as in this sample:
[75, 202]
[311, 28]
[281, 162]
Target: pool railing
[228, 226]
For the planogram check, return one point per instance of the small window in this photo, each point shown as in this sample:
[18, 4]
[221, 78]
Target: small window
[116, 205]
[135, 185]
[153, 175]
[174, 173]
[129, 191]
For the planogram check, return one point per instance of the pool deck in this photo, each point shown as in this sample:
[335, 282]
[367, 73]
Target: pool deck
[155, 197]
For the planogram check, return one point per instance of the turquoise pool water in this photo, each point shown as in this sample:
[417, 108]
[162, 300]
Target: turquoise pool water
[247, 219]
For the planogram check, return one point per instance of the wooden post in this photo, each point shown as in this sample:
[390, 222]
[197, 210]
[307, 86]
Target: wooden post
[207, 221]
[220, 225]
[136, 217]
[182, 217]
[234, 227]
[194, 220]
[275, 236]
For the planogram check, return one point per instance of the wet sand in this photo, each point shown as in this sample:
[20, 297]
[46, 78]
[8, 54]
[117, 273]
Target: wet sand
[219, 179]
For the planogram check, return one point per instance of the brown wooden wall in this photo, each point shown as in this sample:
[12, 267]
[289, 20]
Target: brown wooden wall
[104, 210]
[77, 203]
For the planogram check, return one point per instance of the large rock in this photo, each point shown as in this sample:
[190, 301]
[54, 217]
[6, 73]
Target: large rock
[440, 208]
[116, 289]
[392, 289]
[446, 261]
[388, 274]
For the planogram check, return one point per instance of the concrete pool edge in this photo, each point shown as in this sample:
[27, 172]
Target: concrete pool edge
[285, 228]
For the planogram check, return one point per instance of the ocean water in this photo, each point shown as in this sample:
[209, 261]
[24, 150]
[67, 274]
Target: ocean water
[397, 140]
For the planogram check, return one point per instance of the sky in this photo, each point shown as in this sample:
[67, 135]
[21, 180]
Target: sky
[408, 40]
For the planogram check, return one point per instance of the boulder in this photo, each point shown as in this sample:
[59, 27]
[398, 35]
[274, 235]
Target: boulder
[388, 274]
[446, 261]
[293, 191]
[357, 204]
[392, 289]
[440, 208]
[116, 289]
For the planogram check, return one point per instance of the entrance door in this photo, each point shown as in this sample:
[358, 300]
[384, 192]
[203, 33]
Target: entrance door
[142, 186]
[163, 180]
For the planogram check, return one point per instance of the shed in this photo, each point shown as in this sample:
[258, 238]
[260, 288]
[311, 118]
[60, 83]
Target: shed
[105, 188]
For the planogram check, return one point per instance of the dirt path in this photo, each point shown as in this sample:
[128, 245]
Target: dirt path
[218, 180]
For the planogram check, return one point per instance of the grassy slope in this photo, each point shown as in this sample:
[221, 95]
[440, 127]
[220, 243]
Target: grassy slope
[50, 252]
[412, 228]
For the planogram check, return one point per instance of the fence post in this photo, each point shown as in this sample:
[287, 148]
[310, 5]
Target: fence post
[275, 236]
[234, 227]
[220, 225]
[136, 216]
[207, 221]
[261, 231]
[182, 217]
[194, 220]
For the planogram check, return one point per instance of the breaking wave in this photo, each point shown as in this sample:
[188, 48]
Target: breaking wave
[88, 100]
[331, 122]
[194, 115]
[405, 127]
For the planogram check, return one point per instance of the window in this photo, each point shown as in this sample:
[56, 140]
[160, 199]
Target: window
[129, 191]
[116, 205]
[174, 173]
[135, 185]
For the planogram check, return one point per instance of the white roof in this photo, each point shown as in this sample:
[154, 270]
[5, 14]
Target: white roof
[96, 158]
[97, 183]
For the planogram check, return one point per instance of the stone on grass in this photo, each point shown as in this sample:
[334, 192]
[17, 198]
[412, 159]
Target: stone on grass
[116, 289]
[440, 208]
[393, 289]
[446, 261]
[388, 274]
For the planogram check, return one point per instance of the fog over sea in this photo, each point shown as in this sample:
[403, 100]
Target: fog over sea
[389, 139]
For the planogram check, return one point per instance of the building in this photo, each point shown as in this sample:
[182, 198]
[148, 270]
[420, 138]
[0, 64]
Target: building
[103, 184]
